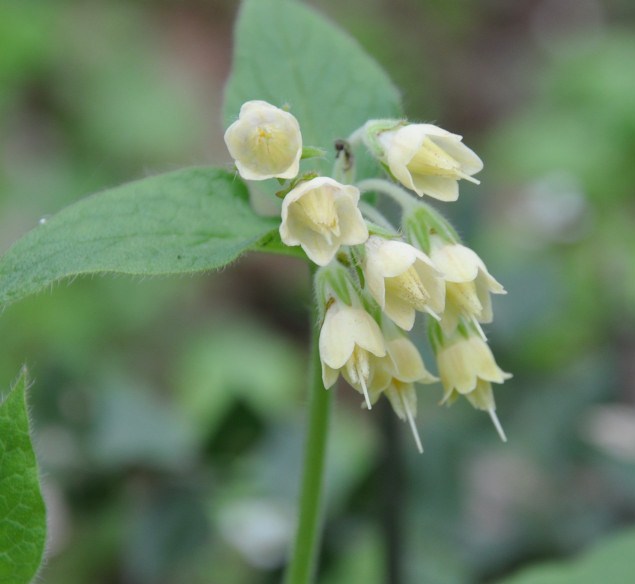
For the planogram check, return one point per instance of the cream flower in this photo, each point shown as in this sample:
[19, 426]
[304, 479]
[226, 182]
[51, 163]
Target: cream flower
[429, 160]
[467, 367]
[468, 284]
[348, 338]
[265, 142]
[320, 215]
[395, 375]
[402, 279]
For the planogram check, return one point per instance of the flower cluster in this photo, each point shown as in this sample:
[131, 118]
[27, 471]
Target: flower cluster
[372, 278]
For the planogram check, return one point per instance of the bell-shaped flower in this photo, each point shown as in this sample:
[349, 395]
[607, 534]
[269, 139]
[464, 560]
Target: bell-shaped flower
[348, 339]
[320, 215]
[428, 159]
[265, 142]
[468, 284]
[395, 375]
[403, 280]
[467, 367]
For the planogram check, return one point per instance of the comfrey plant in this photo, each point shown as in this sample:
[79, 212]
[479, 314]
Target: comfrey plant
[371, 279]
[325, 129]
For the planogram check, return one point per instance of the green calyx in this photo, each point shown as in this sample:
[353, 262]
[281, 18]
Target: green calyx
[424, 222]
[307, 176]
[312, 152]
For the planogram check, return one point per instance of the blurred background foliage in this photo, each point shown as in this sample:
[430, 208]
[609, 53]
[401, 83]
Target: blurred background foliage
[169, 412]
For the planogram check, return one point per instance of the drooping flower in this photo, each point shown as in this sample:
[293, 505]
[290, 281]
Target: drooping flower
[468, 284]
[403, 280]
[265, 142]
[428, 159]
[320, 215]
[467, 367]
[395, 375]
[348, 338]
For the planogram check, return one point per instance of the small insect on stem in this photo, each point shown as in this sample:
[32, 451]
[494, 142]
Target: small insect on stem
[342, 147]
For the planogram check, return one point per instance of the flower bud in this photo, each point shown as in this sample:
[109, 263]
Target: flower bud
[265, 142]
[428, 159]
[403, 280]
[320, 215]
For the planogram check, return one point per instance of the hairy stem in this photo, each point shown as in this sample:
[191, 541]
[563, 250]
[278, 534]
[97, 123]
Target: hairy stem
[302, 567]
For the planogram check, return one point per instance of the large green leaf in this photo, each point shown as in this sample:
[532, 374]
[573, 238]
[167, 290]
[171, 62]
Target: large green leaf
[185, 221]
[287, 54]
[22, 513]
[611, 562]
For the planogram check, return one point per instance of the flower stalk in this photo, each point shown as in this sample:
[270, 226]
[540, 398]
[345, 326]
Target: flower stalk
[302, 566]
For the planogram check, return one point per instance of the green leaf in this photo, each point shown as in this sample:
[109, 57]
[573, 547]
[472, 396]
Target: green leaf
[611, 562]
[22, 512]
[184, 221]
[287, 54]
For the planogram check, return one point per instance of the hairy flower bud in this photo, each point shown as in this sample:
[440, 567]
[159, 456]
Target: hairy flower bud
[320, 215]
[265, 142]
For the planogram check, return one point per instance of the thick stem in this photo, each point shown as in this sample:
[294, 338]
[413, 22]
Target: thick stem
[302, 567]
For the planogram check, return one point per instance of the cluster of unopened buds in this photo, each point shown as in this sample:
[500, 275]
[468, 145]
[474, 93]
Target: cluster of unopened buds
[372, 278]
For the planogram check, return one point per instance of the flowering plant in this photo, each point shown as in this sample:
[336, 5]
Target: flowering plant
[328, 149]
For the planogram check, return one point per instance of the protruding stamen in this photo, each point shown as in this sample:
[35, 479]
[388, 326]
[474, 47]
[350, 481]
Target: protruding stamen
[365, 389]
[433, 314]
[411, 421]
[497, 424]
[468, 177]
[479, 328]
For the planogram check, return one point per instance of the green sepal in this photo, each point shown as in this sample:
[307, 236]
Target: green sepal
[312, 152]
[372, 129]
[422, 221]
[304, 177]
[435, 335]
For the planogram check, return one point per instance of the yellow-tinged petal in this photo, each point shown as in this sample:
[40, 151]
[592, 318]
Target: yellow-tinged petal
[428, 159]
[320, 215]
[265, 142]
[349, 338]
[402, 279]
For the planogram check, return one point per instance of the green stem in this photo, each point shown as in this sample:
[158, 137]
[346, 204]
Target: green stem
[301, 569]
[395, 192]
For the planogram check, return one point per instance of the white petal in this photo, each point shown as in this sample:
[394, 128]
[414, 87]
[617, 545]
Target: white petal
[352, 224]
[455, 368]
[482, 360]
[329, 375]
[469, 161]
[457, 262]
[336, 345]
[407, 362]
[437, 187]
[400, 312]
[390, 258]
